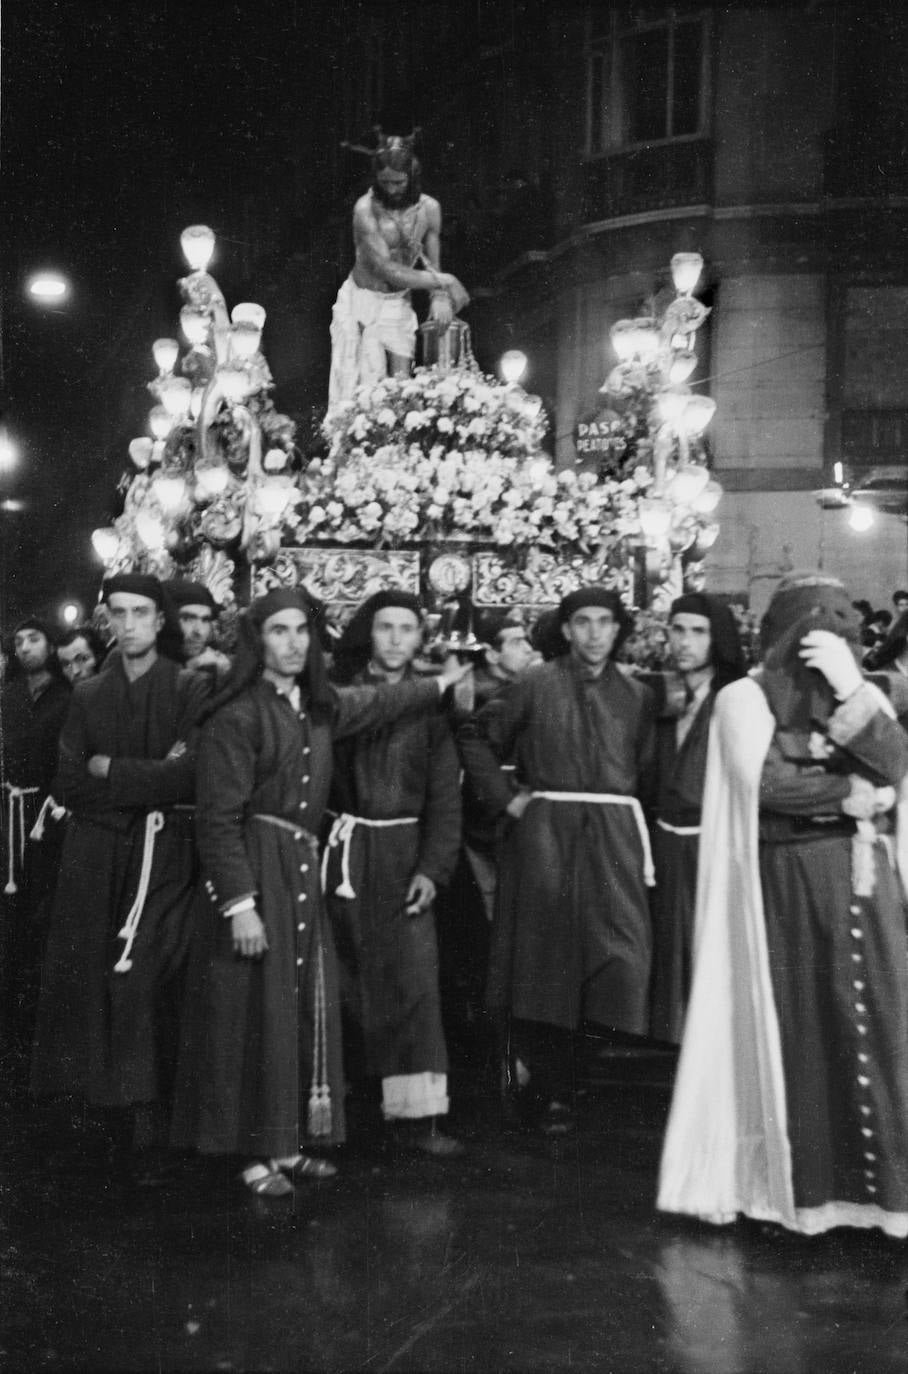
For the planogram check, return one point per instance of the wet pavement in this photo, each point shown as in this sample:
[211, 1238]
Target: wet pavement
[526, 1254]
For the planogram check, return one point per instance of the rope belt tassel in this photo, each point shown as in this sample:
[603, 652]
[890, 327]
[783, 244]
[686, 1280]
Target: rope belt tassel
[341, 835]
[16, 816]
[154, 823]
[613, 799]
[49, 807]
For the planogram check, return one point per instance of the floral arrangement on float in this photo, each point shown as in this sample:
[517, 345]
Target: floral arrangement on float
[454, 456]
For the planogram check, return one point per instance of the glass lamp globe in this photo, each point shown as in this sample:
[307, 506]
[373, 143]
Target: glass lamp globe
[247, 312]
[645, 338]
[861, 519]
[698, 413]
[245, 338]
[234, 382]
[212, 480]
[708, 499]
[686, 269]
[106, 544]
[672, 403]
[140, 451]
[512, 365]
[176, 395]
[170, 491]
[682, 366]
[655, 517]
[160, 422]
[150, 530]
[273, 496]
[166, 352]
[197, 243]
[689, 481]
[194, 324]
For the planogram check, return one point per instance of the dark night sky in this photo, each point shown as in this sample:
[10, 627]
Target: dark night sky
[121, 123]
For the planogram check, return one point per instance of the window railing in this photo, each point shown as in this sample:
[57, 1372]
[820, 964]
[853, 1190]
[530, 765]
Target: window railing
[653, 178]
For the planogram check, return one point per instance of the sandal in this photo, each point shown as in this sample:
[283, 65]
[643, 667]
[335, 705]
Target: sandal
[303, 1166]
[266, 1181]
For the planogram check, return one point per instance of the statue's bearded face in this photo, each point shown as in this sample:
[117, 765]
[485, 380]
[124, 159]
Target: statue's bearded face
[393, 187]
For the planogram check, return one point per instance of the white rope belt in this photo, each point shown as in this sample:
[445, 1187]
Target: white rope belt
[154, 822]
[613, 799]
[16, 819]
[342, 835]
[677, 829]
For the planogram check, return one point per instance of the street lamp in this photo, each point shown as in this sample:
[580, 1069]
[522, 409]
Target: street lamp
[9, 454]
[48, 288]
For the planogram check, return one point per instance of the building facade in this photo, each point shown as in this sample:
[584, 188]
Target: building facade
[576, 147]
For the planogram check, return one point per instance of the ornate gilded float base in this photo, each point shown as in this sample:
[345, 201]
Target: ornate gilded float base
[340, 576]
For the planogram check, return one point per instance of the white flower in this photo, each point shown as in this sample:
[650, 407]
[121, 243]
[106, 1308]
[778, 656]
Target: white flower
[360, 427]
[274, 460]
[316, 515]
[386, 417]
[444, 424]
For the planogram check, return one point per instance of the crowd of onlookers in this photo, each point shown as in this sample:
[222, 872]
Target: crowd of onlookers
[251, 883]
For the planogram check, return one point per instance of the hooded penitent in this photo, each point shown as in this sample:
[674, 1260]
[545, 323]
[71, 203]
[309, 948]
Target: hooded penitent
[355, 644]
[727, 651]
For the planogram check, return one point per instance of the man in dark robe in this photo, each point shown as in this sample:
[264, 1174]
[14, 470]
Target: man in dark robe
[260, 1072]
[791, 1098]
[707, 655]
[111, 989]
[33, 707]
[394, 842]
[197, 613]
[571, 942]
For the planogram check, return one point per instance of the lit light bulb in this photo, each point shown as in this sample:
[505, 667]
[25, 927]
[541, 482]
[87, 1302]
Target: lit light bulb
[140, 451]
[235, 382]
[106, 544]
[197, 243]
[212, 480]
[698, 413]
[273, 497]
[160, 422]
[861, 519]
[244, 339]
[681, 366]
[838, 473]
[166, 352]
[48, 287]
[655, 517]
[708, 499]
[512, 365]
[150, 530]
[247, 312]
[70, 613]
[170, 491]
[671, 403]
[8, 453]
[689, 481]
[686, 269]
[176, 395]
[195, 325]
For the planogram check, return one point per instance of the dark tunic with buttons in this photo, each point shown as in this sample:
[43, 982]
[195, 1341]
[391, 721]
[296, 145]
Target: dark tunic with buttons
[571, 938]
[839, 972]
[248, 1053]
[111, 1036]
[681, 774]
[388, 959]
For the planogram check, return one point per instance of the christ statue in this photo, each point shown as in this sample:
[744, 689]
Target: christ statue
[397, 237]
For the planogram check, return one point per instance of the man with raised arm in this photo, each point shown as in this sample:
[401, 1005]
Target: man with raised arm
[397, 237]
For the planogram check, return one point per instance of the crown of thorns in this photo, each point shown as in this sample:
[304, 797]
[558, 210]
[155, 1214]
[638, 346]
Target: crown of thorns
[386, 143]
